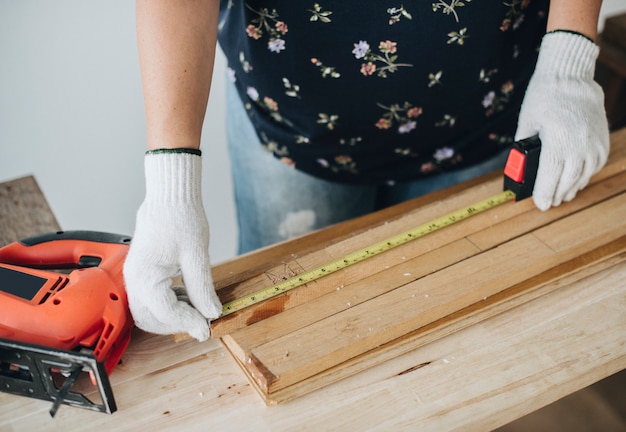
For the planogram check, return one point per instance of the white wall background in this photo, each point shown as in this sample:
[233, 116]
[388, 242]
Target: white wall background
[71, 114]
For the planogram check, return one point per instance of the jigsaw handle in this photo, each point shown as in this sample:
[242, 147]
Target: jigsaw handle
[67, 249]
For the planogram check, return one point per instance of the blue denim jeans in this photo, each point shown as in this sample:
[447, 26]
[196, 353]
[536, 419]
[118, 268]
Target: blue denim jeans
[276, 202]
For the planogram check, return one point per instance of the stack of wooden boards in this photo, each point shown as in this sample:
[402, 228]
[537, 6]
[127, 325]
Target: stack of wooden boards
[404, 298]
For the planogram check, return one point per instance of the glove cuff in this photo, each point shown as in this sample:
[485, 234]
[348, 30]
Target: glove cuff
[173, 177]
[567, 54]
[196, 152]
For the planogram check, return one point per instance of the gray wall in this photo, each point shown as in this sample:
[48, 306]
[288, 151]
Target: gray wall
[71, 113]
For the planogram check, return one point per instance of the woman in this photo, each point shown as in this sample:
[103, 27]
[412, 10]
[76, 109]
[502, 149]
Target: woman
[342, 107]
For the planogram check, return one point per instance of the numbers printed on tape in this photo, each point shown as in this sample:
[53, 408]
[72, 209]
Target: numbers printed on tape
[367, 252]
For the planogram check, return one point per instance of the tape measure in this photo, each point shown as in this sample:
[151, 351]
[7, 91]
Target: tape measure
[519, 179]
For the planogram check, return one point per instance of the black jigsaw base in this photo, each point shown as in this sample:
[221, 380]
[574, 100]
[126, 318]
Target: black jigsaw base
[49, 374]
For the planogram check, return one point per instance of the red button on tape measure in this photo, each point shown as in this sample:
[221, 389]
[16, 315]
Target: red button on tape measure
[515, 165]
[521, 167]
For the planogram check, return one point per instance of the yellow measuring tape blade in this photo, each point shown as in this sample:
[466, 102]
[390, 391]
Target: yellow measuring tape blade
[367, 252]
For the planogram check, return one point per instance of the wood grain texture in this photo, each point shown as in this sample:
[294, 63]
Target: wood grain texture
[599, 407]
[476, 379]
[24, 211]
[266, 267]
[560, 339]
[378, 230]
[503, 256]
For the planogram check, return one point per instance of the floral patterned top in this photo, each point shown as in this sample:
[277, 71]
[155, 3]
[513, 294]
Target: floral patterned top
[376, 92]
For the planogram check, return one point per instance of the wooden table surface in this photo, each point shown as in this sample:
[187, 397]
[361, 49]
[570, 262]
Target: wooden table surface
[478, 378]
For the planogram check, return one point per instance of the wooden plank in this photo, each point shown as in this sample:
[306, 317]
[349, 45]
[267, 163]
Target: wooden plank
[430, 334]
[277, 356]
[600, 189]
[301, 263]
[24, 211]
[493, 306]
[426, 249]
[242, 268]
[371, 229]
[350, 296]
[425, 261]
[310, 350]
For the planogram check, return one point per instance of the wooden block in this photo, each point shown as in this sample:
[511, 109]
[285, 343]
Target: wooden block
[471, 271]
[24, 211]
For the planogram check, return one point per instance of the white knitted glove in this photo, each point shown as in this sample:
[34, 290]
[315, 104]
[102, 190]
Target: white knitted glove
[565, 106]
[171, 236]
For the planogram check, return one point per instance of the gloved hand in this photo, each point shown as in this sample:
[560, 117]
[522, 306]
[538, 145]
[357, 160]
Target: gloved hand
[171, 236]
[565, 106]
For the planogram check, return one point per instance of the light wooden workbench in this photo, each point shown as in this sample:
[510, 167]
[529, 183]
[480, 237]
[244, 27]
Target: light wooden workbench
[478, 378]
